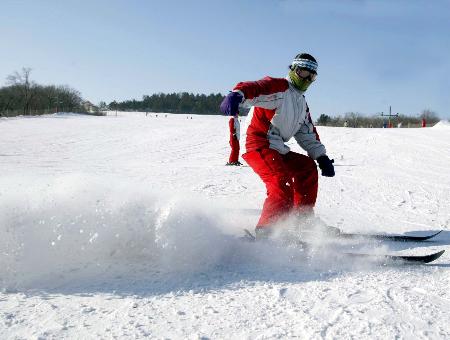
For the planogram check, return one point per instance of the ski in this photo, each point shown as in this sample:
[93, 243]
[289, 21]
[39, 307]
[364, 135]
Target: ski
[387, 237]
[383, 258]
[417, 259]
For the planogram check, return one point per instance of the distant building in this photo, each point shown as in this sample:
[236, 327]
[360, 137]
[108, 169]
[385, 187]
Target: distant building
[89, 107]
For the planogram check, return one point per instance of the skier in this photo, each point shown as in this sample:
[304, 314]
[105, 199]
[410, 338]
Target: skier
[234, 126]
[279, 112]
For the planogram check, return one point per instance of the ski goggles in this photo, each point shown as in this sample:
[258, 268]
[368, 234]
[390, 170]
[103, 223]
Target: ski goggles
[306, 74]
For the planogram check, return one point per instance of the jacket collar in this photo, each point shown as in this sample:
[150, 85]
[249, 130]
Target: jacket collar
[291, 85]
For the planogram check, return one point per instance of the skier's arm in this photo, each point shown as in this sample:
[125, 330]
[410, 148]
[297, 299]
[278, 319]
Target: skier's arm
[266, 93]
[308, 138]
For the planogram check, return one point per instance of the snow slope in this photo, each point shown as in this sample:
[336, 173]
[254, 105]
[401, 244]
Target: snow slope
[124, 227]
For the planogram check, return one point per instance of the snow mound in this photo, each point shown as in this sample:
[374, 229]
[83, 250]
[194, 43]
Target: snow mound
[443, 124]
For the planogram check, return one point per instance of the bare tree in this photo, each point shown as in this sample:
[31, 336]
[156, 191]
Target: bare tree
[27, 88]
[429, 115]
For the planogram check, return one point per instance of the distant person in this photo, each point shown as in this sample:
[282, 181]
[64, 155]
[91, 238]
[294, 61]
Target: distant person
[234, 127]
[278, 113]
[346, 124]
[424, 122]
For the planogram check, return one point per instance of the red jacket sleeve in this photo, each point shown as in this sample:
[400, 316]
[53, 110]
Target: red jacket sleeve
[263, 87]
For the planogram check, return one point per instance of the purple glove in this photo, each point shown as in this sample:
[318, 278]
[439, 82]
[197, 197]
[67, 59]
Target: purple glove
[230, 104]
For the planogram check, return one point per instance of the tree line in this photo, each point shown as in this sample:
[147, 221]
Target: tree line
[202, 104]
[354, 119]
[22, 96]
[183, 102]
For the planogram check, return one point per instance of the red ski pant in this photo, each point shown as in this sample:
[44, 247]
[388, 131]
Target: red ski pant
[291, 181]
[234, 155]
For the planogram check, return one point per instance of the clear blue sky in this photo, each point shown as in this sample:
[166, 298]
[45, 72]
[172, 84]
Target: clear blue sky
[371, 54]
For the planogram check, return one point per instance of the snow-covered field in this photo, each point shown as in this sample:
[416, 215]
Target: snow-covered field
[124, 227]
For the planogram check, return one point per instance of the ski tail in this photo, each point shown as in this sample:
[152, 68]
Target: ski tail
[249, 235]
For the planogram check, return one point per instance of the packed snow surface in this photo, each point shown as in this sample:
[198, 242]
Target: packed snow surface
[127, 227]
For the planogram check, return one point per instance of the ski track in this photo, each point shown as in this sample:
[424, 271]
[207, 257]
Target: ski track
[121, 228]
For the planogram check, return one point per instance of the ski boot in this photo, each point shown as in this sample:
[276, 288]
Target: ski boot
[234, 163]
[310, 223]
[263, 233]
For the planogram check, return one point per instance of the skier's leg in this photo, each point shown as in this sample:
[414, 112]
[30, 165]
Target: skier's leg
[234, 155]
[237, 150]
[303, 170]
[230, 159]
[268, 164]
[305, 184]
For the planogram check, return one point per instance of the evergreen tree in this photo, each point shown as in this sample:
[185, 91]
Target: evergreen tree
[183, 102]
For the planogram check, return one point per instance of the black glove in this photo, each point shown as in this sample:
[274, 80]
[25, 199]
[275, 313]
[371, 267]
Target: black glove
[326, 165]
